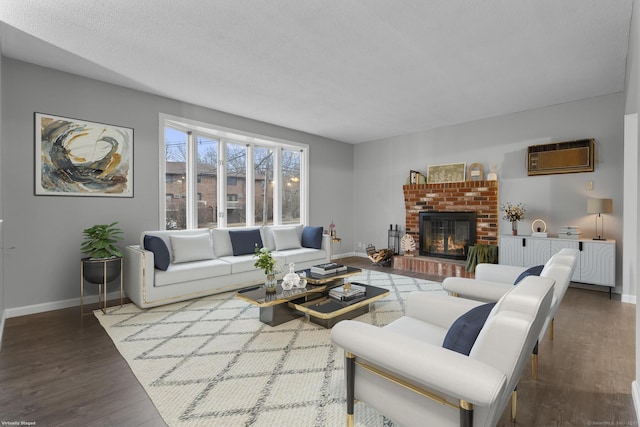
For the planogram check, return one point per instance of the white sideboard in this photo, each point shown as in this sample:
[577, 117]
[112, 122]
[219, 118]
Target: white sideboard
[596, 264]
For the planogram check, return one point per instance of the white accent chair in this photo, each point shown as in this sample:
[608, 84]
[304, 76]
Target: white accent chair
[492, 281]
[403, 372]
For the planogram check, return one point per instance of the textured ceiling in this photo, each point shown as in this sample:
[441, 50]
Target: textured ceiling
[350, 70]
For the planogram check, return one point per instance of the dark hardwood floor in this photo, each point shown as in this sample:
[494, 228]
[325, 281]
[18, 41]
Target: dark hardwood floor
[56, 372]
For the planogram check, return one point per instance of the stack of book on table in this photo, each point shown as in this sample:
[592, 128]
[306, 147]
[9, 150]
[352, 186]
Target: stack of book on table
[348, 292]
[328, 268]
[570, 232]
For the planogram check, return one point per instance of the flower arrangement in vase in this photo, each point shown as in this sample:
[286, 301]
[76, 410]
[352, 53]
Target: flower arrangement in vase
[513, 213]
[269, 265]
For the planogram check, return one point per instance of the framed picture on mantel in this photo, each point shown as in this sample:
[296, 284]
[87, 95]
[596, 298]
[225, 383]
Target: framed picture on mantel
[452, 172]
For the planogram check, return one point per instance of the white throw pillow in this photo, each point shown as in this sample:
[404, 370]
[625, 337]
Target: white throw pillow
[286, 238]
[191, 248]
[221, 242]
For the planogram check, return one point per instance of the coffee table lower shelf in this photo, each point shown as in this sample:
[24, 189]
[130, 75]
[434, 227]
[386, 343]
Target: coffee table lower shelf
[326, 311]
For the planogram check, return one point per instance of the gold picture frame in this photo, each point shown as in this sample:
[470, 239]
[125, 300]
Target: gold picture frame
[450, 172]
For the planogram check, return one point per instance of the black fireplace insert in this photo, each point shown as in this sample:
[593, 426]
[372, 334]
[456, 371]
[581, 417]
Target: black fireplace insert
[447, 234]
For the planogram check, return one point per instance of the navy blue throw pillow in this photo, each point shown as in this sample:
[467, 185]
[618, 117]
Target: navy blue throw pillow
[465, 330]
[312, 237]
[531, 271]
[244, 242]
[161, 257]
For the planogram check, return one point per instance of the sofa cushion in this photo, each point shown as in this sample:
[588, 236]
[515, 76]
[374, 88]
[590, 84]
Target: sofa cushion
[312, 237]
[286, 238]
[244, 242]
[161, 255]
[531, 271]
[191, 248]
[317, 256]
[464, 331]
[187, 272]
[241, 263]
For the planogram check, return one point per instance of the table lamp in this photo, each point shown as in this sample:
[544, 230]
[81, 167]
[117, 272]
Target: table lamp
[599, 206]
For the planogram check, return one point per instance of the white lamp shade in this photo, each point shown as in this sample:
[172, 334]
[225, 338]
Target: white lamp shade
[597, 206]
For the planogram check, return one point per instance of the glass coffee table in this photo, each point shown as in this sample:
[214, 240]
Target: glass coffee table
[313, 301]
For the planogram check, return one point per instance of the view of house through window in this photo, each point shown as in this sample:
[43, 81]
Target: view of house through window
[213, 178]
[263, 176]
[291, 186]
[176, 178]
[236, 167]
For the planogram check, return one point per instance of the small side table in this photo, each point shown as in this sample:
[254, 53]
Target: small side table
[102, 287]
[334, 239]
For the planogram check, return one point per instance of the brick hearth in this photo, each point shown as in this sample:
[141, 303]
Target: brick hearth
[478, 196]
[434, 266]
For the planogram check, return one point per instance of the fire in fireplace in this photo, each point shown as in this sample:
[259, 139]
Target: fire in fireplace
[447, 234]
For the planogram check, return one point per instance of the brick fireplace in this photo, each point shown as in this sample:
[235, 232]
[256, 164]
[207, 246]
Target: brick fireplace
[480, 197]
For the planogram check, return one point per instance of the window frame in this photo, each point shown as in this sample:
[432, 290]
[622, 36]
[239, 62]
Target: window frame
[223, 135]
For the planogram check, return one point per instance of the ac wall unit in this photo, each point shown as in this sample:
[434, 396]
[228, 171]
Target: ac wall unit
[561, 157]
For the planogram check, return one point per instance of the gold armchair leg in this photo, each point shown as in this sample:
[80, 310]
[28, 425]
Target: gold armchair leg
[466, 414]
[514, 405]
[351, 376]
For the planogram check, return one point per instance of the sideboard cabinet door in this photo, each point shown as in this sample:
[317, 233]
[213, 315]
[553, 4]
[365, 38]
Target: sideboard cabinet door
[523, 251]
[598, 263]
[557, 244]
[510, 251]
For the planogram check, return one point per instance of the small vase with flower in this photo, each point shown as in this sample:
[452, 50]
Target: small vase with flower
[513, 213]
[268, 264]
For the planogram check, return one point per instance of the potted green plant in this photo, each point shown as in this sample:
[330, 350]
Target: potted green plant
[99, 244]
[268, 264]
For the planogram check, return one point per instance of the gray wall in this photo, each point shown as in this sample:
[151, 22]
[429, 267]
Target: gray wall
[44, 232]
[632, 88]
[381, 167]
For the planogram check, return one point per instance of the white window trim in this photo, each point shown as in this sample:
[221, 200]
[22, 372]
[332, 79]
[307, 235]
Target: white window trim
[237, 136]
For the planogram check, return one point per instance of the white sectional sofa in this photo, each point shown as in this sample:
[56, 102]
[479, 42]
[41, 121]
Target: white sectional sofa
[176, 265]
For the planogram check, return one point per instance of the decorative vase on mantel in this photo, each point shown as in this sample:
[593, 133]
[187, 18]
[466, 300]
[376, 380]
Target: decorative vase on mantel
[270, 283]
[514, 228]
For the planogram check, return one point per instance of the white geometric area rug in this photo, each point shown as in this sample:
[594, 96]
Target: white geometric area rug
[211, 362]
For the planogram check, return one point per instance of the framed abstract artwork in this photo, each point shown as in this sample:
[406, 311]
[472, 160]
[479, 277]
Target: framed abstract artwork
[80, 158]
[452, 172]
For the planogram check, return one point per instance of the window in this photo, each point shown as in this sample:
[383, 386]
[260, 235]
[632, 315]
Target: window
[215, 177]
[291, 186]
[175, 169]
[263, 178]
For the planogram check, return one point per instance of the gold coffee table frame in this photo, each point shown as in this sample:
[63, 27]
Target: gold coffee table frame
[277, 308]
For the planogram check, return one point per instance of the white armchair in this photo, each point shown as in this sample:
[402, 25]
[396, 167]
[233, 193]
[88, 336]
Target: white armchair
[492, 281]
[403, 371]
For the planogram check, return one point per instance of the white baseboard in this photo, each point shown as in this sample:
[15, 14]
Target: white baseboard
[55, 305]
[635, 395]
[345, 255]
[631, 299]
